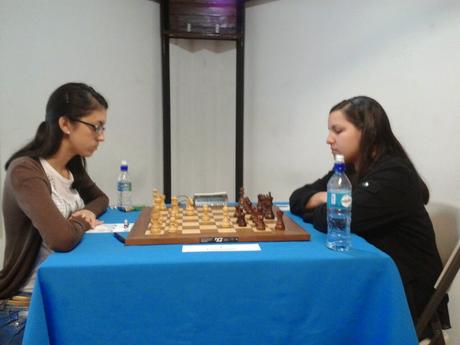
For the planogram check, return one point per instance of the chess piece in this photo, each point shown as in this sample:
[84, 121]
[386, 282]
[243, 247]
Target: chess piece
[241, 198]
[279, 220]
[268, 213]
[226, 223]
[154, 225]
[189, 210]
[205, 216]
[260, 209]
[237, 211]
[172, 224]
[157, 202]
[174, 212]
[260, 225]
[266, 202]
[253, 213]
[154, 196]
[174, 202]
[174, 206]
[259, 200]
[241, 220]
[162, 202]
[247, 205]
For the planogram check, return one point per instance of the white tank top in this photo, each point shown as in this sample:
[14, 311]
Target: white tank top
[67, 200]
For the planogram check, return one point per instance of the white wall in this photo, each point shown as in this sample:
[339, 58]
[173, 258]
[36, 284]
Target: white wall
[302, 57]
[203, 76]
[305, 56]
[111, 44]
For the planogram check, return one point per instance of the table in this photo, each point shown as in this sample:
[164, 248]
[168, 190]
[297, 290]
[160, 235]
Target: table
[288, 293]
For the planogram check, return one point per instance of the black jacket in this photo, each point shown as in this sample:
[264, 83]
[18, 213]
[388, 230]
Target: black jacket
[388, 211]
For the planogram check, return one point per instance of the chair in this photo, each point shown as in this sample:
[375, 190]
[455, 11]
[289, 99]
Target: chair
[446, 223]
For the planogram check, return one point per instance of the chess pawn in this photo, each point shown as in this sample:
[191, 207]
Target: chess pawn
[156, 227]
[268, 214]
[174, 203]
[279, 220]
[260, 225]
[205, 216]
[241, 220]
[173, 224]
[174, 212]
[226, 223]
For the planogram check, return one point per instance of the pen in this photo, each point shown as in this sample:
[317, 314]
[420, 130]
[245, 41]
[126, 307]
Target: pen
[118, 237]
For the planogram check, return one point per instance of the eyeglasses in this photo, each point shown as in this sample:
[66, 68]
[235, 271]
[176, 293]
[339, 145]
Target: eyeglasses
[98, 129]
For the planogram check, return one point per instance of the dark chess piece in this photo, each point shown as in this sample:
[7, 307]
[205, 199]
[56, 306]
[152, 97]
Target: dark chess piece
[247, 205]
[237, 211]
[241, 221]
[268, 210]
[241, 199]
[268, 206]
[279, 221]
[260, 225]
[253, 213]
[270, 198]
[260, 199]
[260, 209]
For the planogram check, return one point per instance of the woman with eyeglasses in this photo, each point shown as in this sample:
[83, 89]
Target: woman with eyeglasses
[49, 201]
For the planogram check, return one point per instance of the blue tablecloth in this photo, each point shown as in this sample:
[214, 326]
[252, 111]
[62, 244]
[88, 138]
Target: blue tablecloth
[288, 293]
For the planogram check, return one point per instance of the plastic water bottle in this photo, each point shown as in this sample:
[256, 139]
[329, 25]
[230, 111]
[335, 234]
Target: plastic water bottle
[124, 188]
[339, 208]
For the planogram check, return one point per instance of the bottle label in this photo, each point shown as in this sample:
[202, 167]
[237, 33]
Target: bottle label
[338, 199]
[124, 187]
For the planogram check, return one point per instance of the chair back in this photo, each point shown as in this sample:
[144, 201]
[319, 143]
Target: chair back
[446, 223]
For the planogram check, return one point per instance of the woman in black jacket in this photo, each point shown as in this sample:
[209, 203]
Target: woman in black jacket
[389, 197]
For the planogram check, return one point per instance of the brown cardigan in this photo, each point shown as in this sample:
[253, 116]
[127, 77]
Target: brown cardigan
[31, 216]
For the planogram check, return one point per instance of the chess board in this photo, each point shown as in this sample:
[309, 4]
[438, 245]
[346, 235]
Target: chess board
[192, 229]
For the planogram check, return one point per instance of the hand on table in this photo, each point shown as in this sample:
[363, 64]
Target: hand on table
[88, 216]
[316, 200]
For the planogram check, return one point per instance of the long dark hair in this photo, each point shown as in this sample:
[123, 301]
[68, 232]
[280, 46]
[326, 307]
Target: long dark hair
[73, 100]
[377, 138]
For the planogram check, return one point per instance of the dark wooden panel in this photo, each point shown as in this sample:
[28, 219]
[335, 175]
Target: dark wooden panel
[206, 2]
[203, 36]
[202, 10]
[202, 24]
[203, 16]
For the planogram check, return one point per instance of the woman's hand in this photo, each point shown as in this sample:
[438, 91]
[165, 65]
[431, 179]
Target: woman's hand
[88, 216]
[316, 200]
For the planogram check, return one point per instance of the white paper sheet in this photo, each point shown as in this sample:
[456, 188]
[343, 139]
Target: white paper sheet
[116, 227]
[243, 247]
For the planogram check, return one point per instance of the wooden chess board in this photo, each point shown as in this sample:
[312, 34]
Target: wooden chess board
[192, 229]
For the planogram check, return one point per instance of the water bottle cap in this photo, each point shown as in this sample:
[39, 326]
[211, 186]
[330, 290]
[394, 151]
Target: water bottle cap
[124, 166]
[339, 158]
